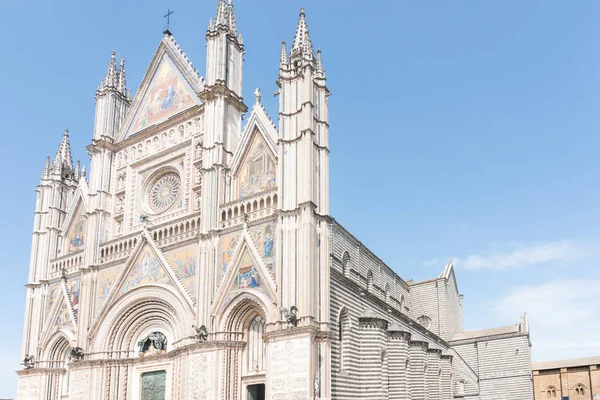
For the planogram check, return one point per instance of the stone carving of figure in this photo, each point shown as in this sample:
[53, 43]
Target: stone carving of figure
[120, 202]
[119, 227]
[120, 182]
[119, 159]
[198, 199]
[198, 175]
[198, 151]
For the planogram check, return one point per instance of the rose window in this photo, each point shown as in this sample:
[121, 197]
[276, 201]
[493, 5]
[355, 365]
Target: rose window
[164, 192]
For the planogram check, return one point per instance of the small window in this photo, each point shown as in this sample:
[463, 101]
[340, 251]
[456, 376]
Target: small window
[343, 338]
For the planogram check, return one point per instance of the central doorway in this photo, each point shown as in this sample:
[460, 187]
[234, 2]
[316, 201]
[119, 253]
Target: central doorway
[256, 392]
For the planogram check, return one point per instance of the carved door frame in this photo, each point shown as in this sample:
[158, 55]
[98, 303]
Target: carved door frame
[135, 387]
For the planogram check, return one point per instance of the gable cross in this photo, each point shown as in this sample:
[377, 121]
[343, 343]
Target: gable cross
[168, 17]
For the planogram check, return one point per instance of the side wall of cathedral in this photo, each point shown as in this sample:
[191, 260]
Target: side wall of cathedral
[378, 351]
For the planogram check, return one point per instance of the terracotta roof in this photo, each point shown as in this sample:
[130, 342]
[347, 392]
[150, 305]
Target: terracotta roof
[576, 362]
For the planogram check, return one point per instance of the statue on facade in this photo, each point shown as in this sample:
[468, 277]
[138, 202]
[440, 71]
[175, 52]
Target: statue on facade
[28, 361]
[201, 333]
[76, 353]
[154, 343]
[290, 315]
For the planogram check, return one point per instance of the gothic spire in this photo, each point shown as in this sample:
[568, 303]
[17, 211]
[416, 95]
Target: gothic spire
[63, 159]
[225, 17]
[122, 83]
[111, 74]
[302, 44]
[232, 21]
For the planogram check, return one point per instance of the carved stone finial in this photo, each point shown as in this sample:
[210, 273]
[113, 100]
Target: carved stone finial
[257, 95]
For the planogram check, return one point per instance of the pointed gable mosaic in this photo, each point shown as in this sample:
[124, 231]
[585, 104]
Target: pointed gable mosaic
[263, 237]
[76, 233]
[167, 95]
[105, 284]
[183, 261]
[257, 172]
[247, 277]
[63, 318]
[147, 269]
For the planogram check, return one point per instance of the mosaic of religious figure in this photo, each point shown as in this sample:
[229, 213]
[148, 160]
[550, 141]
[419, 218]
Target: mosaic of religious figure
[147, 270]
[76, 233]
[258, 172]
[183, 261]
[167, 95]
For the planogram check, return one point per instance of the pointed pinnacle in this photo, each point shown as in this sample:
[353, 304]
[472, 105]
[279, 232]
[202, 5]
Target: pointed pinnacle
[302, 43]
[77, 172]
[63, 154]
[122, 81]
[111, 74]
[221, 17]
[284, 58]
[231, 18]
[320, 69]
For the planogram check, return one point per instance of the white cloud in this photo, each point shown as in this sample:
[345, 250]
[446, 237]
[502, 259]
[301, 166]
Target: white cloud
[517, 256]
[564, 317]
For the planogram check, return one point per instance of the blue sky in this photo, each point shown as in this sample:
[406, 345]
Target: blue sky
[459, 129]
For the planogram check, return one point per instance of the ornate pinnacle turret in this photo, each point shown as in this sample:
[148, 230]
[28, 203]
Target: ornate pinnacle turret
[62, 159]
[222, 13]
[122, 83]
[231, 17]
[284, 57]
[302, 44]
[47, 168]
[225, 18]
[77, 172]
[320, 70]
[111, 74]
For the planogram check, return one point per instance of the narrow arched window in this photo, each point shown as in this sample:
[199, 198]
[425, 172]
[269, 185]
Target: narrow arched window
[256, 347]
[387, 293]
[343, 338]
[346, 263]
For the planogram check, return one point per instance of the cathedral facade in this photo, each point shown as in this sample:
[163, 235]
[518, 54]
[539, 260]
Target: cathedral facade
[197, 259]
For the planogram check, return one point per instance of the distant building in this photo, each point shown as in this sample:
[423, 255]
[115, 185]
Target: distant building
[567, 379]
[197, 258]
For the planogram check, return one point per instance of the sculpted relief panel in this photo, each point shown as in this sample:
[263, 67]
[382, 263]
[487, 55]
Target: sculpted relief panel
[28, 387]
[79, 385]
[289, 362]
[201, 382]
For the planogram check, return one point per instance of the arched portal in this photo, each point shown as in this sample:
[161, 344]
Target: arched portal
[245, 318]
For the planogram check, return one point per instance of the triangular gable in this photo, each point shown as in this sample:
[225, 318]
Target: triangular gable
[61, 319]
[247, 273]
[146, 266]
[74, 225]
[169, 87]
[449, 275]
[258, 121]
[257, 170]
